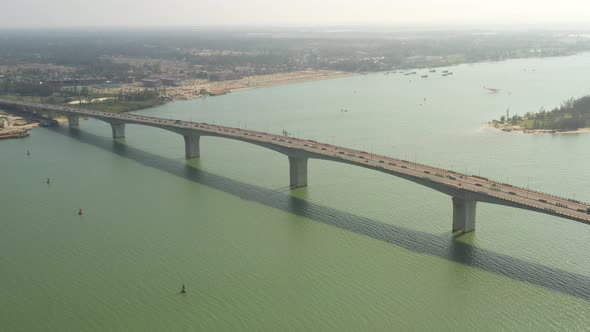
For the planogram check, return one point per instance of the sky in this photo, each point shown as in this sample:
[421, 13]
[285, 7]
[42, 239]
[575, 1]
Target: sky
[155, 13]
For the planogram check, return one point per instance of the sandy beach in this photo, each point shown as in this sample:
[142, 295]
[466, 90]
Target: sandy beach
[191, 89]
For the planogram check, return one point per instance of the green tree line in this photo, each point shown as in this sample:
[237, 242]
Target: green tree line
[572, 114]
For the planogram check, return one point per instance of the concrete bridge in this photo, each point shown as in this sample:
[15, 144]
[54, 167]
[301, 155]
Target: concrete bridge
[465, 190]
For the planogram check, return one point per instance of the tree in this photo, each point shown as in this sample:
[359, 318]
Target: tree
[84, 91]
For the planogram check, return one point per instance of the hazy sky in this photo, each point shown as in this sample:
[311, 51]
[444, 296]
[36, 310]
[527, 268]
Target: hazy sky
[61, 13]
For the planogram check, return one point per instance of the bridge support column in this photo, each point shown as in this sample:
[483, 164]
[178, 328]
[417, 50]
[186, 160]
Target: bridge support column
[118, 130]
[463, 215]
[191, 146]
[298, 171]
[74, 120]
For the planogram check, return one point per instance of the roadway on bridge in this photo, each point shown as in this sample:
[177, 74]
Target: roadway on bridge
[551, 204]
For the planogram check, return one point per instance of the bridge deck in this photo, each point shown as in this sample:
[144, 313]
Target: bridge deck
[491, 191]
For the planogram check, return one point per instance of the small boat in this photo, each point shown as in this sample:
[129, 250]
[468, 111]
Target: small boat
[424, 76]
[492, 90]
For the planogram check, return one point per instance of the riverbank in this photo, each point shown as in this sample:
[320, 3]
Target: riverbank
[193, 89]
[13, 133]
[14, 126]
[189, 89]
[510, 128]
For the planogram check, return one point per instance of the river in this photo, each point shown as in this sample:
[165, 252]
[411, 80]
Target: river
[355, 250]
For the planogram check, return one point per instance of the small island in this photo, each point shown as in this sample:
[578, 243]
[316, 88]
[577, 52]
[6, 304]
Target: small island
[573, 116]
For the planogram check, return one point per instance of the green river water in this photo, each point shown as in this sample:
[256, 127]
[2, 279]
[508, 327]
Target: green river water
[356, 250]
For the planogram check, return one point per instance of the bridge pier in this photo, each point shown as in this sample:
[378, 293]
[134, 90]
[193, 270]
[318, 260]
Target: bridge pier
[298, 171]
[118, 130]
[463, 215]
[73, 120]
[191, 146]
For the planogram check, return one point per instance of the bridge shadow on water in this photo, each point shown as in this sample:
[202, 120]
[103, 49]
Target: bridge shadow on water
[443, 246]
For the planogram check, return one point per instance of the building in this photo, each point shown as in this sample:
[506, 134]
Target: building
[170, 82]
[150, 83]
[225, 75]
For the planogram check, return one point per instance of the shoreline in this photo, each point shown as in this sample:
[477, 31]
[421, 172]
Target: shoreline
[191, 89]
[15, 126]
[516, 128]
[19, 127]
[299, 80]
